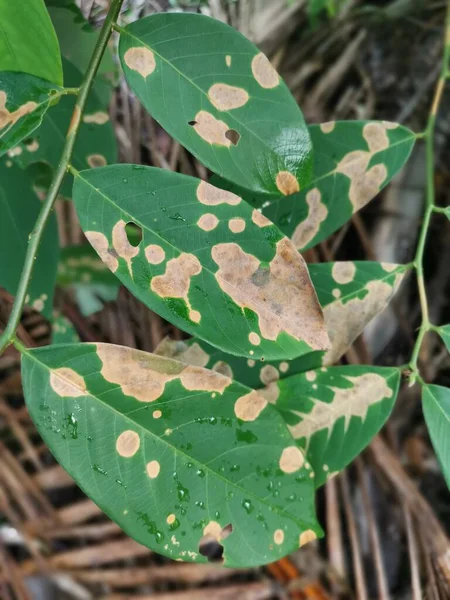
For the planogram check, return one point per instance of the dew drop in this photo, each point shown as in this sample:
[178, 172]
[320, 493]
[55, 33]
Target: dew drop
[248, 506]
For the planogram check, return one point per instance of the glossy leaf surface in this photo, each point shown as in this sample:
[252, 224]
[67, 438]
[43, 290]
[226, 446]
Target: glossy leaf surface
[436, 410]
[353, 161]
[173, 453]
[207, 261]
[351, 295]
[28, 42]
[335, 412]
[24, 99]
[19, 208]
[95, 145]
[214, 92]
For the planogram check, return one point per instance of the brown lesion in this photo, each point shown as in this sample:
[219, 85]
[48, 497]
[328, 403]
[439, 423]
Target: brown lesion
[227, 97]
[141, 60]
[287, 183]
[212, 196]
[100, 244]
[212, 130]
[122, 245]
[263, 72]
[10, 118]
[317, 213]
[249, 406]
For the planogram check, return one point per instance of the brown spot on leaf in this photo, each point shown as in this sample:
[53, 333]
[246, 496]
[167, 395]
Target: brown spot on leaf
[224, 368]
[311, 375]
[96, 160]
[364, 184]
[154, 254]
[307, 536]
[250, 406]
[376, 137]
[170, 519]
[271, 392]
[122, 246]
[328, 127]
[157, 414]
[176, 280]
[228, 60]
[100, 243]
[179, 350]
[153, 468]
[254, 338]
[236, 225]
[212, 130]
[212, 196]
[140, 59]
[291, 459]
[227, 97]
[269, 374]
[282, 296]
[16, 151]
[259, 219]
[199, 379]
[284, 367]
[343, 272]
[208, 222]
[128, 443]
[263, 72]
[278, 536]
[99, 118]
[32, 146]
[287, 183]
[67, 383]
[11, 118]
[317, 213]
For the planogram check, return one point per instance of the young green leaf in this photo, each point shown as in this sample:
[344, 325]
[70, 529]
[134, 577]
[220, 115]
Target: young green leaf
[444, 332]
[353, 161]
[436, 410]
[28, 42]
[24, 99]
[213, 91]
[95, 145]
[351, 295]
[63, 332]
[335, 412]
[178, 456]
[19, 207]
[207, 262]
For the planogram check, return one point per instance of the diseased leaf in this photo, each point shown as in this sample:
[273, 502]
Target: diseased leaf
[207, 262]
[28, 42]
[95, 145]
[81, 264]
[444, 332]
[63, 332]
[335, 412]
[24, 99]
[175, 455]
[19, 207]
[351, 295]
[213, 91]
[436, 410]
[353, 161]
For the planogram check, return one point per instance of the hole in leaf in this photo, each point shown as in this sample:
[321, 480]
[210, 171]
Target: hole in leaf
[211, 548]
[134, 234]
[233, 136]
[192, 123]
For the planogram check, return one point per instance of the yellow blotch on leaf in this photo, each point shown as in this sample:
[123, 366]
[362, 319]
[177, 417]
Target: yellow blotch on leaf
[212, 130]
[236, 225]
[157, 414]
[128, 443]
[250, 406]
[278, 536]
[228, 60]
[67, 383]
[254, 338]
[153, 468]
[214, 530]
[306, 536]
[343, 272]
[170, 519]
[208, 222]
[259, 219]
[291, 459]
[11, 118]
[317, 213]
[263, 72]
[121, 244]
[282, 296]
[287, 183]
[227, 97]
[140, 59]
[212, 196]
[154, 254]
[328, 127]
[96, 160]
[100, 244]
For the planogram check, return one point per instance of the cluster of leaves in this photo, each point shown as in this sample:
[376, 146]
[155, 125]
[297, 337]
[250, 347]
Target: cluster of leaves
[225, 437]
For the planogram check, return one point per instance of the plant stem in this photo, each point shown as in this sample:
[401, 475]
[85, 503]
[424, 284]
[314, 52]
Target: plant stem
[36, 235]
[428, 135]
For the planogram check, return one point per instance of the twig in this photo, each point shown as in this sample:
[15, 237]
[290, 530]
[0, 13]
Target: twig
[36, 235]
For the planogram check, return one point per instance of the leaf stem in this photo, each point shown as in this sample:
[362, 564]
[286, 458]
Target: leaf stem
[430, 205]
[36, 235]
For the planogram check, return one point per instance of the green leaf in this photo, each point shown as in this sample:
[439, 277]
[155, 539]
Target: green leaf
[28, 42]
[19, 207]
[193, 236]
[214, 92]
[92, 297]
[24, 99]
[351, 295]
[81, 264]
[63, 332]
[206, 456]
[77, 39]
[436, 410]
[95, 144]
[353, 161]
[444, 332]
[335, 412]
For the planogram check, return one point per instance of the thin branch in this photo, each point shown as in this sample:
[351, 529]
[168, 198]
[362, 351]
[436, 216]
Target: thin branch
[36, 235]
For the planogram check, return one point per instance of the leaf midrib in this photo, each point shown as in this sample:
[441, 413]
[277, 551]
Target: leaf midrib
[274, 507]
